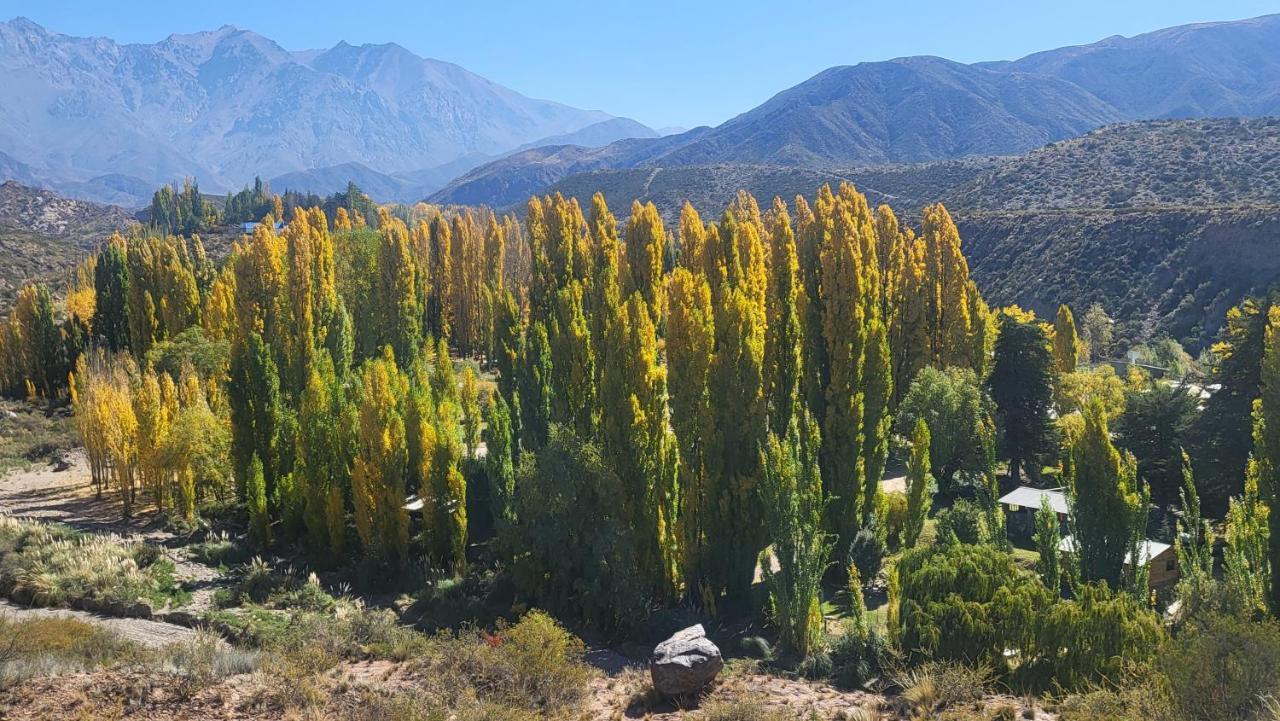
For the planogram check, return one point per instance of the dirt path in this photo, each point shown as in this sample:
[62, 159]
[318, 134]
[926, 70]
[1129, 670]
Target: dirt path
[153, 634]
[68, 497]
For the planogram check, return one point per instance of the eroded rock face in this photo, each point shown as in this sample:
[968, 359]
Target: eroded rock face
[685, 664]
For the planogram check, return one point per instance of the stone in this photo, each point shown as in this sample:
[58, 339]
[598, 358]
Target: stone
[685, 664]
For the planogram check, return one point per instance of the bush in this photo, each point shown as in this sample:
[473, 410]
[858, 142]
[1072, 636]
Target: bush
[219, 550]
[51, 565]
[965, 521]
[857, 658]
[893, 517]
[867, 553]
[1223, 668]
[261, 584]
[535, 665]
[746, 709]
[933, 686]
[572, 550]
[57, 645]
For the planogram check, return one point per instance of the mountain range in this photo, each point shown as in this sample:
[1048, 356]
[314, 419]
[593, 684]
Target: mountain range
[918, 109]
[95, 118]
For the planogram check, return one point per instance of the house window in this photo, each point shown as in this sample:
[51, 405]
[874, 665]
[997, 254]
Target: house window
[1171, 564]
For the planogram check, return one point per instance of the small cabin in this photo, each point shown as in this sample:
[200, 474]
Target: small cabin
[1023, 503]
[1161, 559]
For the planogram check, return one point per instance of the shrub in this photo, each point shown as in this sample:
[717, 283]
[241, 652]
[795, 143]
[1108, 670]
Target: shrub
[966, 603]
[51, 565]
[965, 521]
[892, 513]
[934, 686]
[57, 645]
[572, 550]
[534, 664]
[219, 550]
[1223, 668]
[743, 709]
[857, 657]
[867, 553]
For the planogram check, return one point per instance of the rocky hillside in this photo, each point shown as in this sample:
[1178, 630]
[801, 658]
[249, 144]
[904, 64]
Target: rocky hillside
[43, 234]
[920, 109]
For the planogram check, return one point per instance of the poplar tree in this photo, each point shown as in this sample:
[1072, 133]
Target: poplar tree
[257, 423]
[878, 421]
[792, 489]
[397, 289]
[499, 460]
[469, 404]
[1065, 341]
[379, 469]
[324, 463]
[783, 341]
[844, 326]
[636, 439]
[645, 247]
[919, 485]
[1106, 504]
[1266, 444]
[690, 344]
[111, 289]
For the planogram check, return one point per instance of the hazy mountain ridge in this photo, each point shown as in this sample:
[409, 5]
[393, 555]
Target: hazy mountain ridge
[925, 108]
[229, 104]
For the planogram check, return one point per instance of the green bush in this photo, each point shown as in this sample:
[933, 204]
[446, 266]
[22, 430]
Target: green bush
[892, 512]
[571, 548]
[867, 553]
[1223, 668]
[857, 657]
[535, 665]
[965, 521]
[51, 565]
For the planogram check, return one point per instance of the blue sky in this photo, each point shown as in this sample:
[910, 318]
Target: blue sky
[662, 63]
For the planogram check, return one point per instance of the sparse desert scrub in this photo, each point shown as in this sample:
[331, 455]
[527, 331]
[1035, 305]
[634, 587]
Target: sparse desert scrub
[51, 565]
[59, 645]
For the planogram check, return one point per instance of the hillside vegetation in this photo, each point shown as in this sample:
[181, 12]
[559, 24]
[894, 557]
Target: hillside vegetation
[1166, 223]
[43, 235]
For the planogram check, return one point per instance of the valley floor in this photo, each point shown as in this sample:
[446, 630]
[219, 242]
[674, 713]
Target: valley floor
[618, 688]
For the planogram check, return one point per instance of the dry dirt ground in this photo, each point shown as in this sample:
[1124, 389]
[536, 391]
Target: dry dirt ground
[620, 691]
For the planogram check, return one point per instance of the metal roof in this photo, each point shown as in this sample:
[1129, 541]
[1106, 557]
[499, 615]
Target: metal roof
[1029, 497]
[1150, 549]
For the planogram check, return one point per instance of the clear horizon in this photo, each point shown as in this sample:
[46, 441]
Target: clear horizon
[666, 65]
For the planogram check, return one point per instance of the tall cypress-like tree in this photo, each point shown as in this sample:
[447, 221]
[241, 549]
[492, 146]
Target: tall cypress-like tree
[877, 421]
[636, 439]
[783, 343]
[844, 326]
[1021, 384]
[1266, 445]
[257, 423]
[380, 467]
[646, 246]
[111, 290]
[690, 344]
[1066, 344]
[919, 485]
[1106, 503]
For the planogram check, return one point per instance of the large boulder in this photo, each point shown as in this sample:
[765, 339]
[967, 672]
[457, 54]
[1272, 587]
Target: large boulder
[685, 664]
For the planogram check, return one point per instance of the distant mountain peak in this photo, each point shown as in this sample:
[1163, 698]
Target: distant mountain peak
[227, 104]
